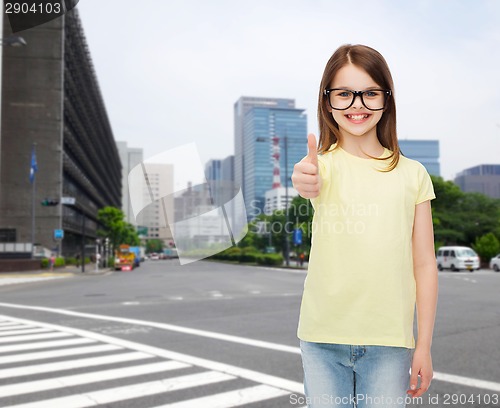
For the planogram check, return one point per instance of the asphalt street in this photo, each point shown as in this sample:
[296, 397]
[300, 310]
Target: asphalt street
[210, 335]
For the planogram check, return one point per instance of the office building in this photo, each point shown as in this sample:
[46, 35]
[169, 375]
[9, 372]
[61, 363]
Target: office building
[424, 151]
[213, 175]
[129, 157]
[213, 169]
[241, 108]
[484, 179]
[220, 178]
[193, 201]
[222, 191]
[227, 168]
[51, 98]
[276, 199]
[257, 122]
[158, 216]
[150, 221]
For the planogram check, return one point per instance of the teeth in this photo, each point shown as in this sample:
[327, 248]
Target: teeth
[357, 117]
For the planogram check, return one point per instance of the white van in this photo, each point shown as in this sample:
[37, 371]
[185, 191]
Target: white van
[456, 258]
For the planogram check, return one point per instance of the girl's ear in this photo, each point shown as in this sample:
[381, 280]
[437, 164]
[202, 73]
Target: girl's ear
[327, 106]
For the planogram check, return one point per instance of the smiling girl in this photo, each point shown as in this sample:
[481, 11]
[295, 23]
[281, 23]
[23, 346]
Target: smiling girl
[372, 253]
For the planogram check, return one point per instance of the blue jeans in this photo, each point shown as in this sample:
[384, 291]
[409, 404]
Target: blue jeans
[343, 375]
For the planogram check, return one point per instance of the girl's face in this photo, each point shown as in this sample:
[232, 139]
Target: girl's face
[356, 121]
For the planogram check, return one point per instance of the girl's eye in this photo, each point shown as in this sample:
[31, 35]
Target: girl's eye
[344, 94]
[372, 94]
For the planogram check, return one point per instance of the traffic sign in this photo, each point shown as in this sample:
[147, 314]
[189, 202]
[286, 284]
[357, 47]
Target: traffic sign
[58, 234]
[142, 231]
[297, 236]
[68, 200]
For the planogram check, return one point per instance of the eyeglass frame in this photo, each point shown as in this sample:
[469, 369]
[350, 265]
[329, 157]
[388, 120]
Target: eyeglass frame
[387, 93]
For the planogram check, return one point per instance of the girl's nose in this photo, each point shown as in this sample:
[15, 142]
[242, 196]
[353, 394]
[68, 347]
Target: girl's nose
[358, 103]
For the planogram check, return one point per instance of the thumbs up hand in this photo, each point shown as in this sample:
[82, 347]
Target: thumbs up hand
[305, 177]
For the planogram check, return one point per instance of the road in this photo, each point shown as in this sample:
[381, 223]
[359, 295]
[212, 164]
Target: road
[208, 335]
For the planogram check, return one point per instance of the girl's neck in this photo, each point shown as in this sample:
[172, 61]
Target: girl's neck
[361, 146]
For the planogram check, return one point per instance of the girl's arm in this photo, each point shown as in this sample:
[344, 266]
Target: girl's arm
[426, 277]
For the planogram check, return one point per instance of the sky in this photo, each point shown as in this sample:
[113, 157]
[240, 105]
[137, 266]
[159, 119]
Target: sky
[170, 71]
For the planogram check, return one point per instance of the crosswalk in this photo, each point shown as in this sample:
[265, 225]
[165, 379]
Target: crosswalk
[49, 366]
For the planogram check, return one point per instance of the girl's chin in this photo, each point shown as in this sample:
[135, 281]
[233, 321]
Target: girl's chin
[358, 133]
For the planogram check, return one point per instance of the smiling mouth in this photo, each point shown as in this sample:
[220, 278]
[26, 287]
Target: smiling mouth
[357, 117]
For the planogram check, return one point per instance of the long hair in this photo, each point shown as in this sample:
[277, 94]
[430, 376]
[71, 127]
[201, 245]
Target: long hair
[375, 65]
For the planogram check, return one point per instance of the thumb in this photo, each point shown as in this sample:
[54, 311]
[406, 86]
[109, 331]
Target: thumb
[414, 379]
[312, 154]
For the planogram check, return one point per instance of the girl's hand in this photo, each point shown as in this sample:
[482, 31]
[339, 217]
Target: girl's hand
[305, 177]
[421, 367]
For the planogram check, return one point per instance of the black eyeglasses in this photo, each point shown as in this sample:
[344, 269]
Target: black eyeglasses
[372, 99]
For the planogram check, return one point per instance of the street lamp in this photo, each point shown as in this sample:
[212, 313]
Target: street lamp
[97, 254]
[287, 242]
[71, 201]
[13, 41]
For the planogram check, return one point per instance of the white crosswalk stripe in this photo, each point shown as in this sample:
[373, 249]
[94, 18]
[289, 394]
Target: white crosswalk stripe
[81, 369]
[42, 355]
[44, 344]
[11, 324]
[23, 331]
[123, 393]
[72, 380]
[72, 364]
[11, 339]
[229, 399]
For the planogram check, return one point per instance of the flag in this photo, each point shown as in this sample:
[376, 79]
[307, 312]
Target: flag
[34, 166]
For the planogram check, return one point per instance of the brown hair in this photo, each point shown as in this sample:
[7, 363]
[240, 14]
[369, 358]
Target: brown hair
[375, 65]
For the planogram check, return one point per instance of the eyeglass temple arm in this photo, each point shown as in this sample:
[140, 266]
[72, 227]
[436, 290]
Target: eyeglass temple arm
[388, 92]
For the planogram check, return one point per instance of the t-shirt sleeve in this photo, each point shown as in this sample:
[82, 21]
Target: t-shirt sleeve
[322, 169]
[425, 187]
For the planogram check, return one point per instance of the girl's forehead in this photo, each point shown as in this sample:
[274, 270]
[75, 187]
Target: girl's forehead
[353, 77]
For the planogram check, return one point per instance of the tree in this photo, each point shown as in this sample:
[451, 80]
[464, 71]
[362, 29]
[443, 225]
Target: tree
[270, 230]
[256, 236]
[301, 212]
[481, 215]
[129, 235]
[154, 245]
[116, 228]
[487, 246]
[460, 218]
[445, 209]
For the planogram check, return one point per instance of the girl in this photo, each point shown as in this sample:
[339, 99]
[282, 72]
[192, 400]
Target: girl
[372, 254]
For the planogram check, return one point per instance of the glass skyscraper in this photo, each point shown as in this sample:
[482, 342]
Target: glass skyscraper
[257, 122]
